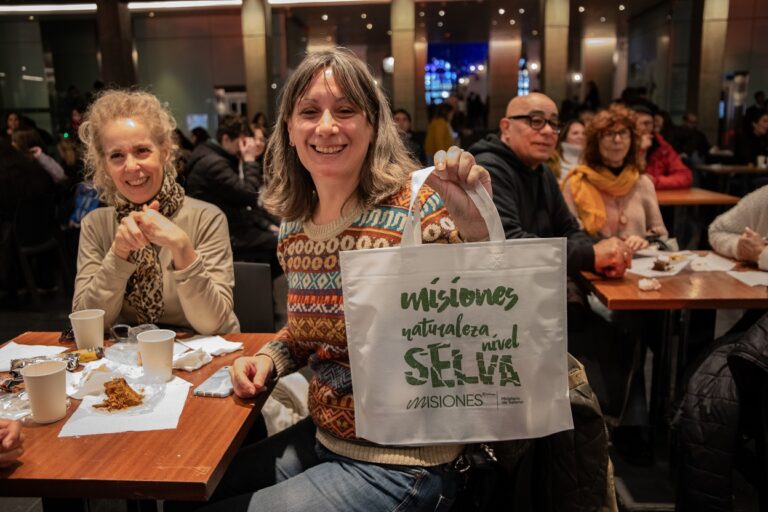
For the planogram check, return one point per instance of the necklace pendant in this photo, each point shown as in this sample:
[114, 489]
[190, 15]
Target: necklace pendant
[623, 219]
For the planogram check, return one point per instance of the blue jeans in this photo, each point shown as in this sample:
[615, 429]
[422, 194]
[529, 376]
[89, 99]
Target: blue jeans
[292, 472]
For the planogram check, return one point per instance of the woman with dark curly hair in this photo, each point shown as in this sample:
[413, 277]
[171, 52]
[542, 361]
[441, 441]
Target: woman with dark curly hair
[608, 193]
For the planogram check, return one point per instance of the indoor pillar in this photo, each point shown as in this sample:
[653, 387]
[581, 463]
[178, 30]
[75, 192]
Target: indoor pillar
[113, 22]
[256, 31]
[503, 57]
[403, 22]
[555, 51]
[713, 32]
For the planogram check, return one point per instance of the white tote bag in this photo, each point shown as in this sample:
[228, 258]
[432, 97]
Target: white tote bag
[454, 343]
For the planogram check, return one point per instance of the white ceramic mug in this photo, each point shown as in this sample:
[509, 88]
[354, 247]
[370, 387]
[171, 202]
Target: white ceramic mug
[88, 326]
[46, 385]
[156, 349]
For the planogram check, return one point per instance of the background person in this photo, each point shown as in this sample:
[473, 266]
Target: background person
[11, 442]
[608, 193]
[440, 135]
[152, 255]
[662, 164]
[570, 146]
[741, 232]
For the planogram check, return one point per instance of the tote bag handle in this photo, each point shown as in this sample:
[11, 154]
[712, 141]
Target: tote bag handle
[479, 196]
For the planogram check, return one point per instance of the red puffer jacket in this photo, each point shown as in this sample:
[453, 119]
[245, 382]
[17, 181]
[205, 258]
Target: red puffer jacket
[665, 168]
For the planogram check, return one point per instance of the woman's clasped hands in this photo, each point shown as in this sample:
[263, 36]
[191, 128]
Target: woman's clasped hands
[148, 226]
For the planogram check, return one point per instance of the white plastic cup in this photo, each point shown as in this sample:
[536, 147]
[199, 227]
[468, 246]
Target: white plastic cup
[156, 349]
[762, 161]
[88, 325]
[46, 385]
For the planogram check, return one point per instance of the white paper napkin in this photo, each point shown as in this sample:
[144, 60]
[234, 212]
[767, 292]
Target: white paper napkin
[711, 263]
[13, 350]
[751, 277]
[214, 345]
[165, 415]
[191, 360]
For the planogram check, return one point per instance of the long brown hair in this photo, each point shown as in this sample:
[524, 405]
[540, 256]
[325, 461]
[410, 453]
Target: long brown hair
[613, 115]
[290, 190]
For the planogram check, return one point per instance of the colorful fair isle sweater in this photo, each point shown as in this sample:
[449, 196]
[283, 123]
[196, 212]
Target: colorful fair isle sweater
[315, 333]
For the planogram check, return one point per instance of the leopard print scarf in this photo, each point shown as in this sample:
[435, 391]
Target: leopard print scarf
[144, 290]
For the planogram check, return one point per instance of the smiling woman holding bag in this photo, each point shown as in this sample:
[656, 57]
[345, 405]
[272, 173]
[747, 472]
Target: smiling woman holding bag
[338, 176]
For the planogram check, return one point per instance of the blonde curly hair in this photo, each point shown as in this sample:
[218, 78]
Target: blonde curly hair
[119, 104]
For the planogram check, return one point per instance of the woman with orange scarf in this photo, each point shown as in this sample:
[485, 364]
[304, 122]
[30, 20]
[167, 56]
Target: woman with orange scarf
[608, 193]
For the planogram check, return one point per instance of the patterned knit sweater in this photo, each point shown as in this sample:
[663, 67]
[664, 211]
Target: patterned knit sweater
[315, 333]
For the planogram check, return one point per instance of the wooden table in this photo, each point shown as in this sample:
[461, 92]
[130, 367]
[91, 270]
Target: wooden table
[688, 290]
[725, 171]
[694, 197]
[186, 463]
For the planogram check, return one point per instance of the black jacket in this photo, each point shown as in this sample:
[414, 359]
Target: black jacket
[530, 202]
[212, 175]
[724, 399]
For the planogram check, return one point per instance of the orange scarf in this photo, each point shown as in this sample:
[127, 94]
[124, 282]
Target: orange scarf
[586, 185]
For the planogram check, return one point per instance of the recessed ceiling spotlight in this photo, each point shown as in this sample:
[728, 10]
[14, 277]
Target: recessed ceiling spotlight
[602, 19]
[151, 14]
[480, 67]
[389, 32]
[273, 86]
[363, 16]
[494, 23]
[502, 11]
[512, 22]
[422, 14]
[369, 26]
[324, 17]
[534, 32]
[439, 23]
[31, 18]
[422, 25]
[581, 8]
[441, 13]
[521, 10]
[622, 7]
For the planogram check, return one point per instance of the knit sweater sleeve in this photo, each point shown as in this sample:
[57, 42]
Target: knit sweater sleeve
[725, 230]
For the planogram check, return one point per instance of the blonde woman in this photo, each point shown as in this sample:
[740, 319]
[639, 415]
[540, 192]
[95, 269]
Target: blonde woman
[152, 255]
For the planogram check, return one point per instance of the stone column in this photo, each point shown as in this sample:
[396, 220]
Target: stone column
[555, 52]
[113, 23]
[713, 32]
[403, 22]
[503, 62]
[256, 31]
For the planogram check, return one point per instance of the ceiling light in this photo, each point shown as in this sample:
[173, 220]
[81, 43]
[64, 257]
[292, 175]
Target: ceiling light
[182, 4]
[324, 17]
[421, 14]
[576, 77]
[440, 23]
[472, 67]
[512, 22]
[363, 16]
[534, 32]
[480, 67]
[502, 11]
[581, 8]
[494, 23]
[521, 10]
[369, 26]
[441, 13]
[47, 8]
[31, 18]
[273, 86]
[389, 32]
[622, 7]
[534, 66]
[602, 19]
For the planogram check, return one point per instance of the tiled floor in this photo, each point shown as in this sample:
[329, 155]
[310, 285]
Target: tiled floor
[647, 489]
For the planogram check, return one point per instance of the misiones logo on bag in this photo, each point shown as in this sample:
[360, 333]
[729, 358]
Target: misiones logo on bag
[441, 364]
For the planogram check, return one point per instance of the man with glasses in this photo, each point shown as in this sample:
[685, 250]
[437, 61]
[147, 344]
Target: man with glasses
[526, 193]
